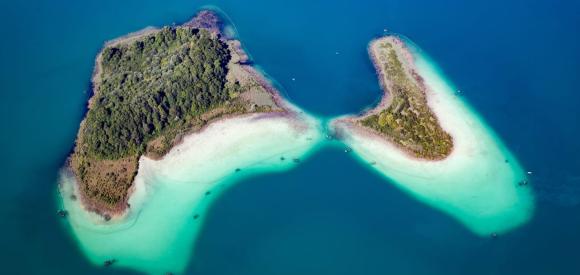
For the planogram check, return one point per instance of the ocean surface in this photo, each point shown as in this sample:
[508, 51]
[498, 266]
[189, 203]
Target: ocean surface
[516, 63]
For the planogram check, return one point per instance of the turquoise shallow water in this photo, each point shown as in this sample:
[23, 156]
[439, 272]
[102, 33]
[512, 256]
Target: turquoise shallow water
[171, 196]
[479, 183]
[517, 63]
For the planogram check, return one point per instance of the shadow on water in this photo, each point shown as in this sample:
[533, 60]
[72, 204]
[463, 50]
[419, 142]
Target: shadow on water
[349, 221]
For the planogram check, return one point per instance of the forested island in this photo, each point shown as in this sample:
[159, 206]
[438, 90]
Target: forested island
[404, 116]
[149, 90]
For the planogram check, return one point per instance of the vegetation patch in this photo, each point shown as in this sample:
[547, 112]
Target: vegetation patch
[407, 120]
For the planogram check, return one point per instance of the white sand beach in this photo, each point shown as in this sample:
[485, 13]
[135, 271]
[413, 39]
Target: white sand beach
[477, 184]
[171, 194]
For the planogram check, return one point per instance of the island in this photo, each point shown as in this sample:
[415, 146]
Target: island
[403, 116]
[149, 90]
[177, 115]
[429, 142]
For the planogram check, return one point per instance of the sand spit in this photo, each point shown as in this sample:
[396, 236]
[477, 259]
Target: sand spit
[171, 194]
[479, 183]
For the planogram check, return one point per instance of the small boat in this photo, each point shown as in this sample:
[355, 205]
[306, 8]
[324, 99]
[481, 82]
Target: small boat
[62, 213]
[108, 263]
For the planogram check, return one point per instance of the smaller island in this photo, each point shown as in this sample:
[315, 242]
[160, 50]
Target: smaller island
[403, 115]
[432, 145]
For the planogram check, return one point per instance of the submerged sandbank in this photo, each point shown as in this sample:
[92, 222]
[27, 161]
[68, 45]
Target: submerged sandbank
[165, 206]
[478, 183]
[171, 195]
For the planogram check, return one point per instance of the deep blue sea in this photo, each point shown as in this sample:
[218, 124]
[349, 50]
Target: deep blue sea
[517, 62]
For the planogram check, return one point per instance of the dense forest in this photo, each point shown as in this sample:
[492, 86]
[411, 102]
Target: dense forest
[408, 120]
[151, 84]
[147, 89]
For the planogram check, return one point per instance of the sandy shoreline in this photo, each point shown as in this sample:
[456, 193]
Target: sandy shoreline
[187, 152]
[477, 183]
[171, 195]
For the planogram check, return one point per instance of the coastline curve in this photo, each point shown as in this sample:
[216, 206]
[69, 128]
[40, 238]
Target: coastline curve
[479, 183]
